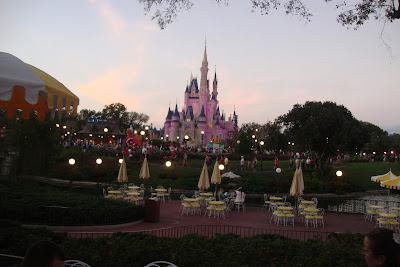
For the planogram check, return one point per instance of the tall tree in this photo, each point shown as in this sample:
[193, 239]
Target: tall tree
[351, 15]
[137, 119]
[117, 113]
[322, 128]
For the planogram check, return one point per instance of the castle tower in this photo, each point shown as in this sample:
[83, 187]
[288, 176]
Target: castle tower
[174, 130]
[204, 90]
[215, 86]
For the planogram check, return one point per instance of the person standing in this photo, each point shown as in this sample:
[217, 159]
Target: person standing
[226, 163]
[242, 163]
[255, 164]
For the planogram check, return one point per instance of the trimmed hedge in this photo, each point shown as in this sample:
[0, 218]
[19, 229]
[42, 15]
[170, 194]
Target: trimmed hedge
[123, 249]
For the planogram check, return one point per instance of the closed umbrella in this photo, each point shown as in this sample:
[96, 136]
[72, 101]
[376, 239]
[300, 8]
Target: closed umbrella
[123, 174]
[144, 171]
[216, 175]
[204, 181]
[297, 187]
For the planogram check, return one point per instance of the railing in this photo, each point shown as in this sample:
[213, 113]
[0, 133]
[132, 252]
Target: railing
[212, 230]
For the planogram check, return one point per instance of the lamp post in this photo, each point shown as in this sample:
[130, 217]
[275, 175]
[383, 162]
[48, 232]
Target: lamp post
[339, 174]
[168, 164]
[237, 150]
[99, 161]
[71, 162]
[202, 138]
[186, 140]
[278, 170]
[261, 145]
[254, 144]
[166, 138]
[142, 133]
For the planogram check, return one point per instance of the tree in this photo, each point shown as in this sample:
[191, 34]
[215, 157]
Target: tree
[321, 128]
[166, 11]
[137, 119]
[116, 113]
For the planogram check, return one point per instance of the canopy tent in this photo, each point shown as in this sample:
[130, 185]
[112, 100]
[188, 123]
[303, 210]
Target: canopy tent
[384, 177]
[392, 184]
[25, 87]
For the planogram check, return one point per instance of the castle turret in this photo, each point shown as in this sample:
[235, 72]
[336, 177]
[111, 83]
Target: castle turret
[167, 125]
[174, 130]
[215, 86]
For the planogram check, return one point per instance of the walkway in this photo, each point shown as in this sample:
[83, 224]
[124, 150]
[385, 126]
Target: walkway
[252, 217]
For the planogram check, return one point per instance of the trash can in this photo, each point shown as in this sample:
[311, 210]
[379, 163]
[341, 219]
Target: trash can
[152, 210]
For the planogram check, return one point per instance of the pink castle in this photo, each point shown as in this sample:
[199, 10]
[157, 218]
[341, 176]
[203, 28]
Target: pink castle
[201, 120]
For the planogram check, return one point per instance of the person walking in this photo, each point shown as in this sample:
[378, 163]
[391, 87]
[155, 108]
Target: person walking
[242, 163]
[226, 163]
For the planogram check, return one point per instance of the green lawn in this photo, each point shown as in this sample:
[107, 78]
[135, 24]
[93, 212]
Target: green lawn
[360, 173]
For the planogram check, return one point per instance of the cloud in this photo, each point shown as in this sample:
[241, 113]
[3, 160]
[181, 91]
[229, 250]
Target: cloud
[115, 22]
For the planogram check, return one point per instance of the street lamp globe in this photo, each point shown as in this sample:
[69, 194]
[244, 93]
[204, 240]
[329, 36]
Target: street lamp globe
[238, 142]
[221, 167]
[99, 161]
[168, 164]
[142, 133]
[253, 136]
[146, 128]
[261, 143]
[177, 137]
[120, 161]
[71, 161]
[106, 130]
[186, 137]
[202, 132]
[339, 173]
[278, 170]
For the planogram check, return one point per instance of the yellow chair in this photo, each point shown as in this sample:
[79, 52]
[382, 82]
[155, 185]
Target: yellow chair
[196, 208]
[210, 210]
[289, 217]
[369, 214]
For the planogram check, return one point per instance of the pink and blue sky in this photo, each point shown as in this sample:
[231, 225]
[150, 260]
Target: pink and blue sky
[110, 51]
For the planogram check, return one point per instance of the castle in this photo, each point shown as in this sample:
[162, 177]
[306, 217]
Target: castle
[201, 122]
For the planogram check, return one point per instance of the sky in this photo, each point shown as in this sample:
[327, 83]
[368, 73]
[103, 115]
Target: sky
[109, 51]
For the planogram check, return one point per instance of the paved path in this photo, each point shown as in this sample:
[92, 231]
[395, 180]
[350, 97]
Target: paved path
[252, 217]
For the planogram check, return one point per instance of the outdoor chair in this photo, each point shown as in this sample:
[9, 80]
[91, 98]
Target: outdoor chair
[152, 192]
[210, 210]
[196, 208]
[160, 187]
[320, 217]
[105, 195]
[267, 202]
[220, 210]
[160, 264]
[309, 218]
[315, 200]
[182, 197]
[289, 217]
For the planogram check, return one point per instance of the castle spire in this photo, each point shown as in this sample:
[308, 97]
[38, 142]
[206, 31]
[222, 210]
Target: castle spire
[205, 51]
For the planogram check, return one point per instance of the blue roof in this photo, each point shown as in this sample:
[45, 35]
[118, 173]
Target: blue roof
[169, 115]
[194, 81]
[187, 89]
[176, 113]
[217, 123]
[213, 97]
[202, 113]
[223, 117]
[189, 113]
[215, 77]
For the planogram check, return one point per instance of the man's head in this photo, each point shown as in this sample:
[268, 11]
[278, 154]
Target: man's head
[44, 254]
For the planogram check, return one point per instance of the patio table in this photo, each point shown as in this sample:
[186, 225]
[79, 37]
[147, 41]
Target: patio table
[206, 194]
[133, 194]
[133, 187]
[160, 190]
[191, 199]
[388, 215]
[376, 207]
[311, 210]
[307, 202]
[114, 192]
[275, 198]
[285, 208]
[216, 202]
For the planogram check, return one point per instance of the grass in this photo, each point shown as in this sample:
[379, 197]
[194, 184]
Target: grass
[360, 173]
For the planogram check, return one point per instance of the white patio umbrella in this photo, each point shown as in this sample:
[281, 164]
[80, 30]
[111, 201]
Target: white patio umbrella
[204, 181]
[392, 184]
[387, 177]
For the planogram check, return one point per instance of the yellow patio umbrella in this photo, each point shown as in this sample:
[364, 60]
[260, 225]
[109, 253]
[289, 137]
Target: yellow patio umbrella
[216, 175]
[123, 173]
[204, 181]
[297, 187]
